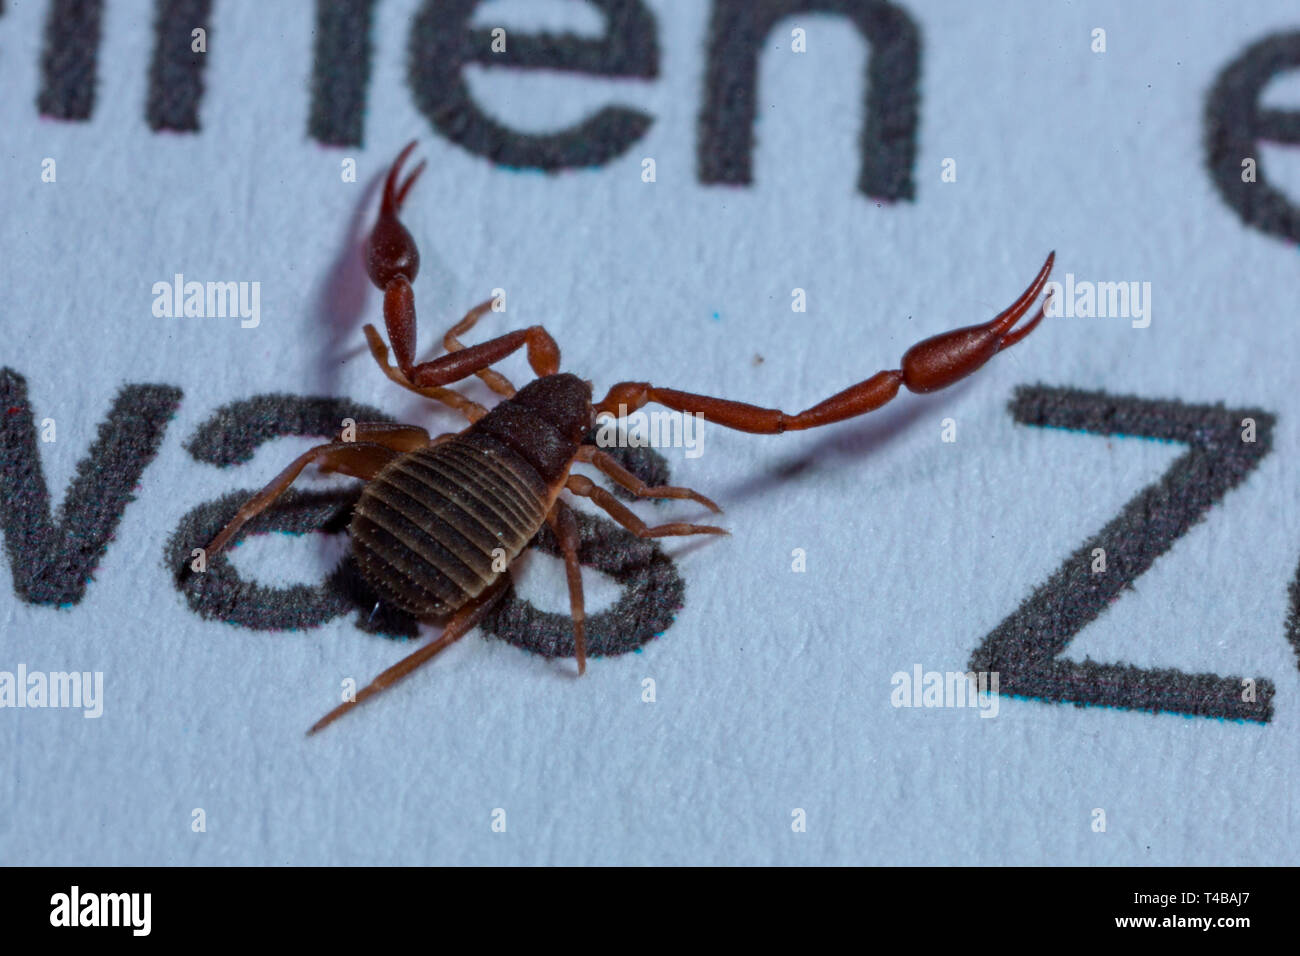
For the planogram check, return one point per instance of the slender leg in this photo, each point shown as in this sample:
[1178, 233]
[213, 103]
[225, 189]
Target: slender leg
[562, 522]
[470, 409]
[543, 356]
[584, 487]
[457, 626]
[357, 459]
[452, 343]
[425, 378]
[389, 434]
[608, 465]
[927, 366]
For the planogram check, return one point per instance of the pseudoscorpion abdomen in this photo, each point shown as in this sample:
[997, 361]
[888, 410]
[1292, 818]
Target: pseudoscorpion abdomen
[426, 528]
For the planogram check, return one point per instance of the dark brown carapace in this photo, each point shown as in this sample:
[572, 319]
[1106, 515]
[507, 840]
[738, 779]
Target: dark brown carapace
[440, 519]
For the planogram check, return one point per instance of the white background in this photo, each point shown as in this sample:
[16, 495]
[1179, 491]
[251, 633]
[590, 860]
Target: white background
[773, 687]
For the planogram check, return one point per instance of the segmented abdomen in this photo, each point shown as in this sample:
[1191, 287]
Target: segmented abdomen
[425, 527]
